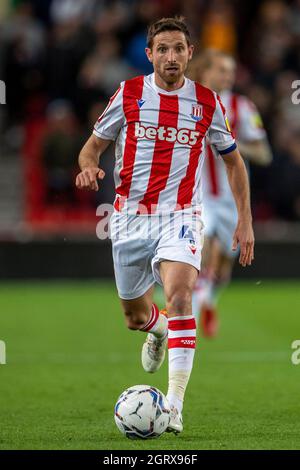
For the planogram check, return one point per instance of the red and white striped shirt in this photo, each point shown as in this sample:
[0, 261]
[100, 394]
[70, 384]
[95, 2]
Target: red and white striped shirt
[246, 125]
[159, 143]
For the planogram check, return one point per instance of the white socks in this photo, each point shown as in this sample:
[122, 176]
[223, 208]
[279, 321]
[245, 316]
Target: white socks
[181, 331]
[181, 345]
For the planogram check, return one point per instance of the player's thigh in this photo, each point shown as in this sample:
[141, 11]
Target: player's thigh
[175, 274]
[225, 268]
[226, 228]
[215, 256]
[208, 252]
[178, 281]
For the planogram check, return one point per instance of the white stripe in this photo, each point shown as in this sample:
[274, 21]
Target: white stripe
[181, 333]
[149, 114]
[180, 156]
[183, 317]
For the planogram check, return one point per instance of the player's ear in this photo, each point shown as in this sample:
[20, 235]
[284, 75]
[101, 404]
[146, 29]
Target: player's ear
[148, 52]
[191, 51]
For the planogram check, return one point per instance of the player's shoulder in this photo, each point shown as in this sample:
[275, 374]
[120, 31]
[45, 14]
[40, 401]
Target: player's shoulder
[133, 85]
[205, 94]
[133, 82]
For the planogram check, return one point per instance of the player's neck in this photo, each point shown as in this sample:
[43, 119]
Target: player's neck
[168, 86]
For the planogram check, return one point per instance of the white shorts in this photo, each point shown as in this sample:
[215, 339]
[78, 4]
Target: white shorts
[141, 242]
[220, 219]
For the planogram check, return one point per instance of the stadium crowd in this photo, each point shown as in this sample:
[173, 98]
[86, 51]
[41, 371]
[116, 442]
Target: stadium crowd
[62, 59]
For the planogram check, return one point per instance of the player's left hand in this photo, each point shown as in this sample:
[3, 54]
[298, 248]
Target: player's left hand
[244, 236]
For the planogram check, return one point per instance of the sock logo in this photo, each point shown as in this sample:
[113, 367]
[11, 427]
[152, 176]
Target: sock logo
[188, 341]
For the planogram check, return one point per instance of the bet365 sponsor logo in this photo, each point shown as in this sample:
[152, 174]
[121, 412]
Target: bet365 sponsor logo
[167, 133]
[2, 92]
[295, 358]
[2, 353]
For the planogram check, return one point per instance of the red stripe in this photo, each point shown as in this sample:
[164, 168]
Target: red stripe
[186, 187]
[224, 113]
[133, 90]
[188, 342]
[109, 105]
[163, 151]
[234, 112]
[212, 170]
[153, 318]
[176, 325]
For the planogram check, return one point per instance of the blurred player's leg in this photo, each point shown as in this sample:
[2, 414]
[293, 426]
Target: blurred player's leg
[178, 281]
[204, 301]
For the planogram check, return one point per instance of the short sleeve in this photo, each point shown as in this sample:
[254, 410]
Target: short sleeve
[219, 133]
[250, 125]
[112, 119]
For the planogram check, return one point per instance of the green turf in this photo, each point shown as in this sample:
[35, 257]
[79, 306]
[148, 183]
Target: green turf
[69, 356]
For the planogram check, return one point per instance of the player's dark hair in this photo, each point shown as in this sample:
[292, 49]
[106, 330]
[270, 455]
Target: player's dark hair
[168, 24]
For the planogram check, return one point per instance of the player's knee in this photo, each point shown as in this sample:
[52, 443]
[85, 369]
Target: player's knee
[135, 320]
[179, 300]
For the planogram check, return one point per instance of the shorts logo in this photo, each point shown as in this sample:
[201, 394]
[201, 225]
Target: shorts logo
[167, 133]
[192, 246]
[186, 233]
[197, 110]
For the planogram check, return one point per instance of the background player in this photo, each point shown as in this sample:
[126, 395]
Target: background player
[217, 70]
[160, 122]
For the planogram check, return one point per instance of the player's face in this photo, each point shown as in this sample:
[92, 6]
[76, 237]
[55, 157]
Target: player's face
[170, 55]
[221, 75]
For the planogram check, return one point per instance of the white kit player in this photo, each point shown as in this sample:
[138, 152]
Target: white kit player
[159, 123]
[216, 70]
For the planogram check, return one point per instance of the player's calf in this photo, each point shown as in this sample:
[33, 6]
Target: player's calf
[135, 320]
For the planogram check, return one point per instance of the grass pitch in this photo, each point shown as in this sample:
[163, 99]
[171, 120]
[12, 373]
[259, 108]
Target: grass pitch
[69, 357]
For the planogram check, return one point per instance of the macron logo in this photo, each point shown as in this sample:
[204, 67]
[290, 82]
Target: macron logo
[140, 103]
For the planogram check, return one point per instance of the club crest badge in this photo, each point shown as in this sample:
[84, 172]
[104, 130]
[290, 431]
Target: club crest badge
[197, 110]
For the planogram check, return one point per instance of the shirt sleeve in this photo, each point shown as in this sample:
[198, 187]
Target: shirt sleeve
[112, 119]
[219, 133]
[250, 126]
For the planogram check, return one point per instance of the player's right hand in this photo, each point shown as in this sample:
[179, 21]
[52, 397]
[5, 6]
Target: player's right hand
[87, 178]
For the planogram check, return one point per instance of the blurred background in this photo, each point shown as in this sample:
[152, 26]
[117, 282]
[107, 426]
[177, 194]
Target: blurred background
[62, 59]
[69, 355]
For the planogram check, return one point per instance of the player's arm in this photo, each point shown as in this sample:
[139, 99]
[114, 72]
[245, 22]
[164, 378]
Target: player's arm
[222, 138]
[253, 141]
[88, 162]
[257, 151]
[239, 183]
[106, 130]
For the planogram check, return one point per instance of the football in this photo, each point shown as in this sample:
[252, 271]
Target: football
[142, 412]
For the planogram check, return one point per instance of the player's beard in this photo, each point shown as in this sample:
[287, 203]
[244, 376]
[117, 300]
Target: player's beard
[173, 76]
